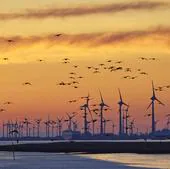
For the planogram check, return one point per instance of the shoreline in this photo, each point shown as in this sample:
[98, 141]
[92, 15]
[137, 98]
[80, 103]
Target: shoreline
[93, 147]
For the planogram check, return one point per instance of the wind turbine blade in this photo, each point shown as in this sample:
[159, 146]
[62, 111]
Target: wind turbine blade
[106, 105]
[160, 102]
[68, 115]
[88, 95]
[149, 106]
[153, 88]
[120, 94]
[90, 113]
[101, 97]
[126, 104]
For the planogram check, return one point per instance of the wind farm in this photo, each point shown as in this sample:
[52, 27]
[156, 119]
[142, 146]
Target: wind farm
[91, 127]
[92, 119]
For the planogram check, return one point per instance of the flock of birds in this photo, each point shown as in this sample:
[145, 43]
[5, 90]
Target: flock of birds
[74, 77]
[109, 66]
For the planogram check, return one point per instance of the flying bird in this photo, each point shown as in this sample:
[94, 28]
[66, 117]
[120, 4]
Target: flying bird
[101, 64]
[72, 73]
[96, 71]
[75, 87]
[143, 73]
[10, 40]
[89, 67]
[80, 77]
[66, 59]
[8, 102]
[40, 60]
[5, 58]
[125, 77]
[61, 83]
[133, 77]
[143, 58]
[27, 83]
[14, 131]
[128, 70]
[75, 66]
[58, 34]
[118, 62]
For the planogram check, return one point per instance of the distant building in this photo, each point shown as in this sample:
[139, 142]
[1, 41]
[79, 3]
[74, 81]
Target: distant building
[70, 135]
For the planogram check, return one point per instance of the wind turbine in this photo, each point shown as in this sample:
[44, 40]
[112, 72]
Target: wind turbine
[93, 125]
[121, 103]
[168, 123]
[153, 99]
[102, 105]
[52, 122]
[105, 121]
[86, 108]
[59, 125]
[38, 122]
[27, 123]
[131, 126]
[126, 116]
[69, 120]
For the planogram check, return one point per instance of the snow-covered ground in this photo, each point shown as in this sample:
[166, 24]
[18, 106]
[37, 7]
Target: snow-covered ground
[84, 161]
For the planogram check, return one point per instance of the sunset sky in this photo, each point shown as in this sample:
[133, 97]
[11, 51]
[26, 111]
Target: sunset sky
[93, 32]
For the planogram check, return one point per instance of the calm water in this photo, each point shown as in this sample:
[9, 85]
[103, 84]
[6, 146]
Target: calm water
[83, 161]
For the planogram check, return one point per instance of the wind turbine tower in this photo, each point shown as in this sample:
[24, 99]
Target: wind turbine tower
[153, 99]
[102, 105]
[86, 109]
[121, 104]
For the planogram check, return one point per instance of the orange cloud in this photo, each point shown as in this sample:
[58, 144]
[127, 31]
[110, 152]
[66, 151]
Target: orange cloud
[156, 35]
[83, 10]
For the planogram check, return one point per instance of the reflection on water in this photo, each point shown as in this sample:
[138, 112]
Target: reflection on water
[82, 161]
[135, 160]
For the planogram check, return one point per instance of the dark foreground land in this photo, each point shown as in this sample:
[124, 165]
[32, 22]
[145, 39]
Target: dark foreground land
[146, 147]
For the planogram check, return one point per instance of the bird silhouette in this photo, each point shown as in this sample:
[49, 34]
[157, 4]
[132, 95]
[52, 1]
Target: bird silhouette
[40, 60]
[27, 83]
[61, 83]
[128, 70]
[65, 62]
[66, 59]
[75, 66]
[143, 73]
[118, 62]
[72, 73]
[10, 40]
[125, 77]
[119, 68]
[59, 34]
[7, 102]
[71, 77]
[5, 58]
[14, 131]
[96, 71]
[134, 77]
[89, 67]
[80, 77]
[2, 110]
[152, 58]
[143, 58]
[75, 82]
[75, 87]
[101, 64]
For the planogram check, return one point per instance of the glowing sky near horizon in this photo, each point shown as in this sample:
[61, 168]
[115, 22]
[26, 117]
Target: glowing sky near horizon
[127, 31]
